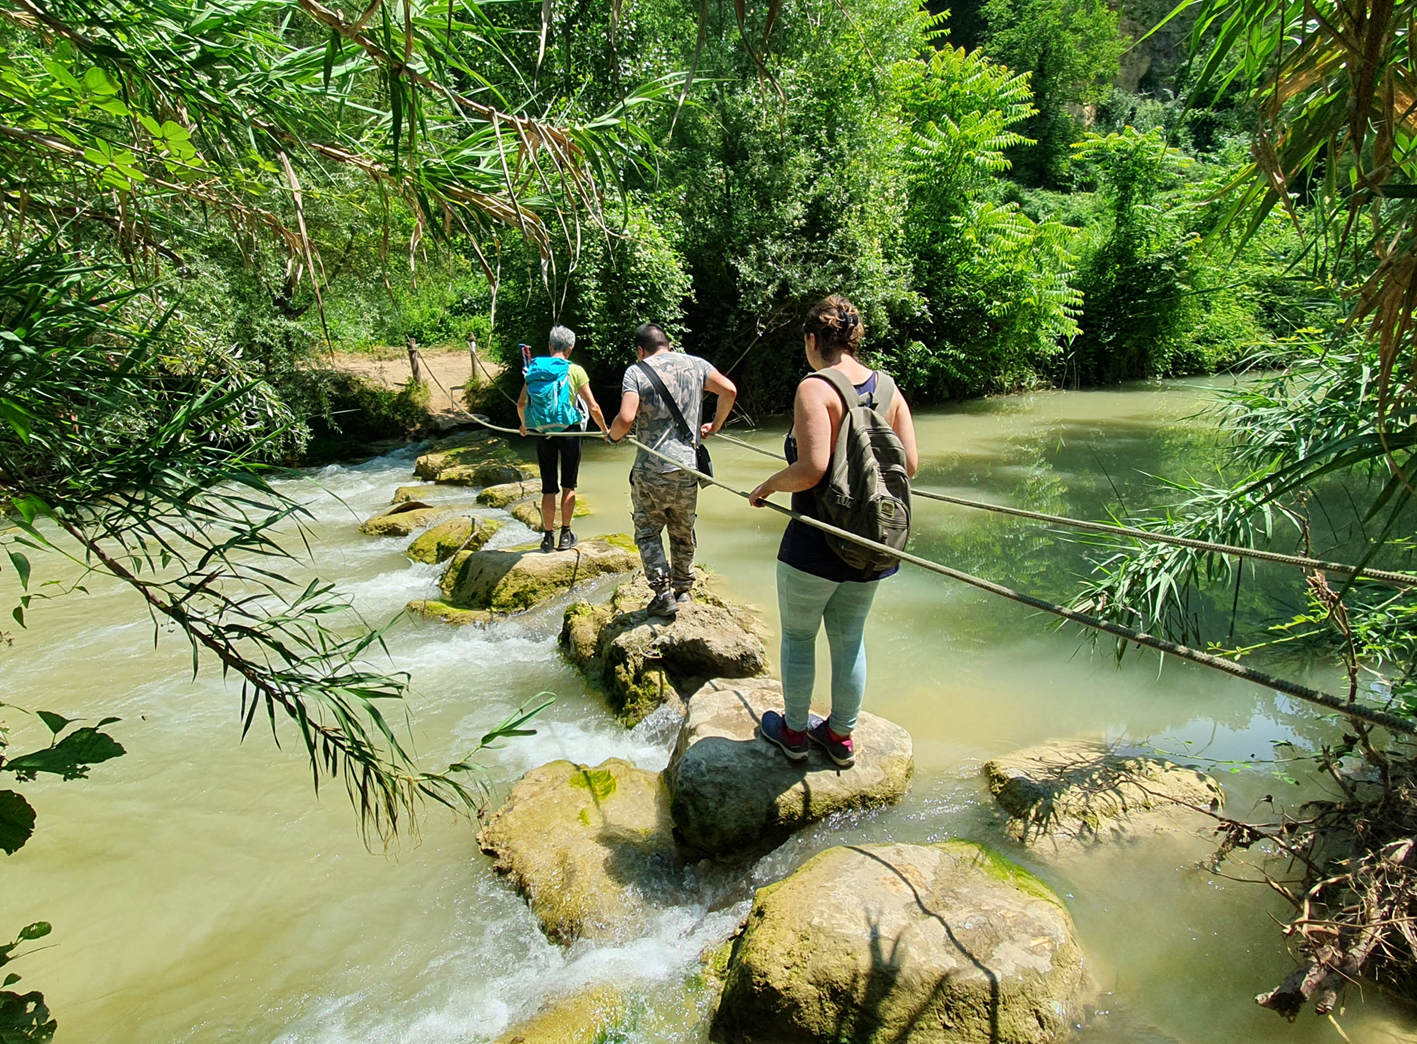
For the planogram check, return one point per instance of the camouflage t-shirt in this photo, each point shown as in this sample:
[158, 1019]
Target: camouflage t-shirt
[684, 376]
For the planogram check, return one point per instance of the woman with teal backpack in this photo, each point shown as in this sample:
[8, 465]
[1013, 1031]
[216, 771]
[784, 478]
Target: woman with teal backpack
[822, 582]
[549, 403]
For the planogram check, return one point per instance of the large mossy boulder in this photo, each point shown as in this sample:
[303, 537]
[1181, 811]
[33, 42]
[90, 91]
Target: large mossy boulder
[1083, 792]
[528, 513]
[509, 581]
[912, 944]
[589, 848]
[588, 1017]
[734, 794]
[441, 542]
[402, 519]
[508, 493]
[488, 473]
[467, 449]
[640, 661]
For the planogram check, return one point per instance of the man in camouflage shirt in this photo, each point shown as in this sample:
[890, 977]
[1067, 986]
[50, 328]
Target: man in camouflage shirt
[663, 495]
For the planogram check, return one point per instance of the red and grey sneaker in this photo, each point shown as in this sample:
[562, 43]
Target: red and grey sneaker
[774, 729]
[839, 748]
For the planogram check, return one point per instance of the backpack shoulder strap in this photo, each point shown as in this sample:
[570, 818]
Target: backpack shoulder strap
[658, 382]
[885, 392]
[842, 384]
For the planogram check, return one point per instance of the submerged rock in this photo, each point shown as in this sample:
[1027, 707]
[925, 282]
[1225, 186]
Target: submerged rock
[402, 519]
[734, 794]
[588, 1017]
[446, 539]
[508, 493]
[491, 473]
[1075, 790]
[468, 449]
[587, 847]
[528, 513]
[930, 944]
[641, 662]
[509, 581]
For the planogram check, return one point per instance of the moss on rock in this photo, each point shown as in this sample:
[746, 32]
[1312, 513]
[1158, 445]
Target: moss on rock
[508, 493]
[528, 513]
[589, 848]
[930, 944]
[404, 494]
[433, 609]
[465, 449]
[588, 1017]
[510, 581]
[449, 537]
[641, 662]
[402, 519]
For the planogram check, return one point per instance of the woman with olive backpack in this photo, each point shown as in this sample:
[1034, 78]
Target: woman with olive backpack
[851, 452]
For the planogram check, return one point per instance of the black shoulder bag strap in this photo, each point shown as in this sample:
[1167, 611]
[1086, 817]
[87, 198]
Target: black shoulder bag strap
[705, 464]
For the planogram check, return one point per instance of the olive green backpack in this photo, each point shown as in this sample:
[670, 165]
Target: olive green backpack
[867, 490]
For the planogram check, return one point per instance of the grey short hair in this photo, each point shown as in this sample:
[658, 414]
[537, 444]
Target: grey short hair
[562, 339]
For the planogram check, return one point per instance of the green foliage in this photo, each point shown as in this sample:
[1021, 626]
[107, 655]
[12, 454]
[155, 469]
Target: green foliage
[1136, 274]
[1070, 51]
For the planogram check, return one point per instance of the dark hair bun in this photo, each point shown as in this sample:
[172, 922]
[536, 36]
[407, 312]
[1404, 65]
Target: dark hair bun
[836, 324]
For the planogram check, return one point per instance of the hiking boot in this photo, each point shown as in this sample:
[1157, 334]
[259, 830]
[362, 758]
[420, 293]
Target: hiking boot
[662, 604]
[548, 542]
[683, 598]
[568, 540]
[839, 748]
[774, 729]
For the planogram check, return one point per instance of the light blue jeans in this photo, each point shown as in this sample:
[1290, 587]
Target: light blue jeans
[806, 602]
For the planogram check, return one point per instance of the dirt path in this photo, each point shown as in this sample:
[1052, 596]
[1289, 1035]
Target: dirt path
[446, 372]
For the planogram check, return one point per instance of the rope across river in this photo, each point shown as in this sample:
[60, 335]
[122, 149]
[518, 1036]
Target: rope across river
[1250, 674]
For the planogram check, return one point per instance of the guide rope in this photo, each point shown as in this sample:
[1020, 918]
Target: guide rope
[1303, 692]
[1398, 579]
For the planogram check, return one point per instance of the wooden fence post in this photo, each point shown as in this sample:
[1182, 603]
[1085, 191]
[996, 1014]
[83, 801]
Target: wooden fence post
[413, 362]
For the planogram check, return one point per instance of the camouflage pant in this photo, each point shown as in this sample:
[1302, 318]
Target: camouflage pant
[665, 500]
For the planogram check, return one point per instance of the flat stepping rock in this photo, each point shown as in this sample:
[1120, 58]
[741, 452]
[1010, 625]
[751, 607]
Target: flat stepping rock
[465, 449]
[528, 513]
[441, 542]
[1080, 791]
[402, 519]
[510, 581]
[587, 847]
[733, 793]
[508, 493]
[930, 944]
[486, 474]
[641, 661]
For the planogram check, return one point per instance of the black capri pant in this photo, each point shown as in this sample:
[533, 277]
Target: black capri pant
[563, 451]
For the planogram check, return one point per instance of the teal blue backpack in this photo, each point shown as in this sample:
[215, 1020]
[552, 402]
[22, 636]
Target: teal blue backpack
[550, 406]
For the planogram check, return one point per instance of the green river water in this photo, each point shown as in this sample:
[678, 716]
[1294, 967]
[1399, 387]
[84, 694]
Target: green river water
[200, 892]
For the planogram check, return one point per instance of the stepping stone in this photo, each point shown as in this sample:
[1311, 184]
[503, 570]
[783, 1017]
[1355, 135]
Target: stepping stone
[463, 533]
[640, 662]
[402, 519]
[508, 493]
[930, 944]
[488, 473]
[466, 449]
[587, 847]
[528, 513]
[1080, 791]
[519, 578]
[734, 794]
[404, 494]
[589, 1017]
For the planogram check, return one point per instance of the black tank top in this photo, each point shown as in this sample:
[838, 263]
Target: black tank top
[805, 547]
